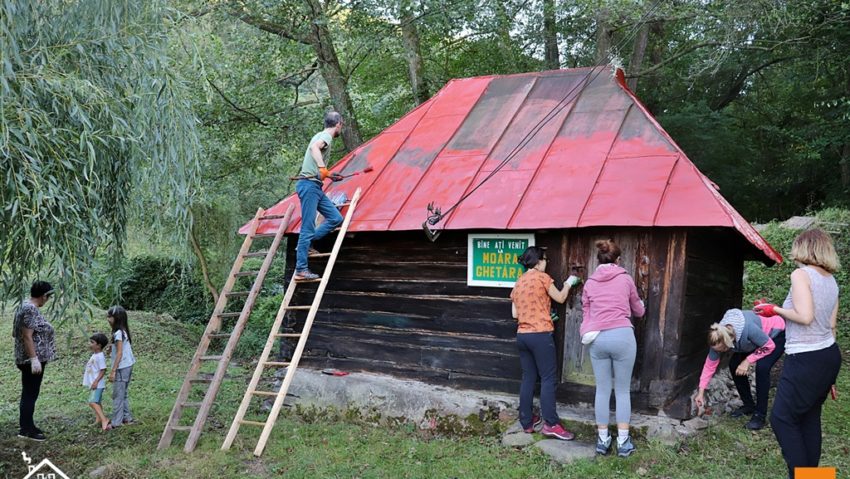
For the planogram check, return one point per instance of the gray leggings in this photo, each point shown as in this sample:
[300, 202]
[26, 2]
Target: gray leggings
[612, 355]
[120, 402]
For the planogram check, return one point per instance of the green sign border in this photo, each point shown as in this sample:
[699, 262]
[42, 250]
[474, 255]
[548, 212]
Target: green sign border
[471, 237]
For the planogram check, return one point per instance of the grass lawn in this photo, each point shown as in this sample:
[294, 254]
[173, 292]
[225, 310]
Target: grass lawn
[330, 445]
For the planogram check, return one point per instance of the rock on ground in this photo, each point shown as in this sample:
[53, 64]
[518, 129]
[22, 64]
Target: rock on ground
[566, 452]
[517, 439]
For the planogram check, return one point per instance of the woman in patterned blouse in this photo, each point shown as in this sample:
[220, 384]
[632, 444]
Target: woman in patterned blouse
[34, 348]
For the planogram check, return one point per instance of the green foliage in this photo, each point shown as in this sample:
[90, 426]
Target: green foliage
[155, 284]
[93, 127]
[774, 282]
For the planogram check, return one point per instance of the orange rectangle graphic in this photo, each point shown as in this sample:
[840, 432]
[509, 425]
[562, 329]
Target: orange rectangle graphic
[814, 473]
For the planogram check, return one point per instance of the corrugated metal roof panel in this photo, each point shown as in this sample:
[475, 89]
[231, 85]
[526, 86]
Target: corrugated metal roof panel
[598, 159]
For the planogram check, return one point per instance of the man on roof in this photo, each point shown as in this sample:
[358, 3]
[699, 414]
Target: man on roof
[314, 170]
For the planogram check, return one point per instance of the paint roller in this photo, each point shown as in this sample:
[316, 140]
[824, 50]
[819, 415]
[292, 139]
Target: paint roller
[335, 176]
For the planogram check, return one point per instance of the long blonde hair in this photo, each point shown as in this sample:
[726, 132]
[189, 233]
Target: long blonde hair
[814, 248]
[720, 334]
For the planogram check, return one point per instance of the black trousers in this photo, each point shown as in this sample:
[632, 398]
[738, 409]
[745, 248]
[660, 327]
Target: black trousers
[537, 359]
[30, 387]
[803, 387]
[763, 367]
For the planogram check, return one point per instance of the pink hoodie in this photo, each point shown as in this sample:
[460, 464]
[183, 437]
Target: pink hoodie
[609, 300]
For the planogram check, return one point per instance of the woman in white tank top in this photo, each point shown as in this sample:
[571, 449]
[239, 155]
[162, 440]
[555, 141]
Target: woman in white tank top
[813, 359]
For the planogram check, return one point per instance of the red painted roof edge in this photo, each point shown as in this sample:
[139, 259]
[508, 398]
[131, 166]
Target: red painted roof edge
[740, 224]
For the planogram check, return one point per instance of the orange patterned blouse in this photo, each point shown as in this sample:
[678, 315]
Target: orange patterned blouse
[531, 299]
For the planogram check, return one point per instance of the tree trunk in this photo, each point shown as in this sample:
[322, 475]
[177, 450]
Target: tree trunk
[604, 36]
[550, 36]
[413, 53]
[638, 53]
[199, 253]
[318, 36]
[322, 42]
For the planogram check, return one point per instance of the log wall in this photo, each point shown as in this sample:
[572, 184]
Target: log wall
[398, 304]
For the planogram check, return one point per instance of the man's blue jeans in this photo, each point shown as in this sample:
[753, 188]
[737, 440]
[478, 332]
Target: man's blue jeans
[312, 199]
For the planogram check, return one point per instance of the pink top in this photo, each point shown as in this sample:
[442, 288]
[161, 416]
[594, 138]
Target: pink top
[769, 325]
[609, 300]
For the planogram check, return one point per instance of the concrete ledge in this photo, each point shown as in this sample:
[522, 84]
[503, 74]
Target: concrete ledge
[422, 403]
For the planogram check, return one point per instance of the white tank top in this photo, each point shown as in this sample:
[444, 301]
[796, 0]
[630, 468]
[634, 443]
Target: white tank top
[818, 334]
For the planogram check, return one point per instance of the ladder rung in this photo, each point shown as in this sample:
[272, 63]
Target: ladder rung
[211, 358]
[253, 423]
[276, 364]
[246, 273]
[319, 255]
[264, 393]
[343, 205]
[229, 315]
[191, 404]
[220, 335]
[238, 293]
[299, 308]
[265, 235]
[288, 335]
[272, 217]
[256, 254]
[200, 380]
[317, 280]
[181, 428]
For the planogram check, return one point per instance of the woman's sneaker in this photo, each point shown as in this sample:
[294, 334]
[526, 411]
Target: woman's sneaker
[558, 432]
[33, 435]
[536, 424]
[743, 411]
[756, 423]
[603, 447]
[626, 449]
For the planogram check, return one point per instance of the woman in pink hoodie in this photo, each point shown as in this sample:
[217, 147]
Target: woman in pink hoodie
[609, 301]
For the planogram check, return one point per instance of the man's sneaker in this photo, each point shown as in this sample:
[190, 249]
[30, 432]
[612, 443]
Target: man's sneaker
[313, 252]
[33, 435]
[305, 275]
[536, 424]
[757, 422]
[625, 449]
[743, 411]
[558, 432]
[603, 447]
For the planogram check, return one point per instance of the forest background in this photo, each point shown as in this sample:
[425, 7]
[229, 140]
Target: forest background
[137, 136]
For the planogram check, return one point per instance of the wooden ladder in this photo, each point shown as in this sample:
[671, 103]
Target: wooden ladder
[275, 334]
[213, 331]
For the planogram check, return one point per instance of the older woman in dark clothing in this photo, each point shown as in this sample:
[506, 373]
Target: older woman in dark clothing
[34, 348]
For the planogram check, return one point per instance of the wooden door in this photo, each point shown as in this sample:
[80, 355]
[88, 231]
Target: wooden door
[582, 254]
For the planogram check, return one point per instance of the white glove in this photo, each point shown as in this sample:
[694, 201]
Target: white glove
[573, 280]
[35, 366]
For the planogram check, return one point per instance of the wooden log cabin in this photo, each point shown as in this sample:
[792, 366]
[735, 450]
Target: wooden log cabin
[569, 157]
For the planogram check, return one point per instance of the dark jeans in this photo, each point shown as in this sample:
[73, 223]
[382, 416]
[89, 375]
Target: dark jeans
[537, 358]
[763, 367]
[30, 387]
[803, 387]
[312, 199]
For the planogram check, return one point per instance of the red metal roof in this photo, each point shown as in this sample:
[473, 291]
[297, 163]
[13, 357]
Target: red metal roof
[603, 160]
